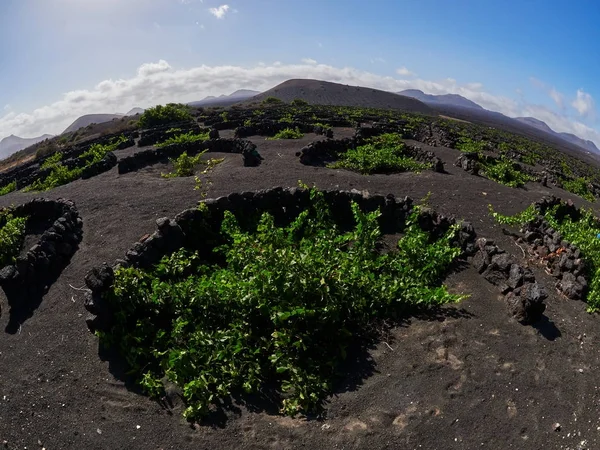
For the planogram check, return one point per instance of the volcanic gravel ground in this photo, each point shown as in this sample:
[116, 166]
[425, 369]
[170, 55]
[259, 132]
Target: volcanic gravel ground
[466, 376]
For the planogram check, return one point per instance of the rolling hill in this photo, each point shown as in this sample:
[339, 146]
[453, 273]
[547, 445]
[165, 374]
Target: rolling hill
[12, 144]
[447, 99]
[225, 100]
[326, 93]
[89, 119]
[569, 137]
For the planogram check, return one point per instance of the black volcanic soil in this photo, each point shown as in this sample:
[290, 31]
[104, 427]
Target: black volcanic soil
[464, 377]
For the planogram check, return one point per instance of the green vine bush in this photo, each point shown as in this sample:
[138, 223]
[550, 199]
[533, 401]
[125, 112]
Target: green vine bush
[61, 174]
[505, 171]
[288, 133]
[184, 138]
[164, 115]
[279, 314]
[12, 235]
[10, 187]
[579, 186]
[381, 154]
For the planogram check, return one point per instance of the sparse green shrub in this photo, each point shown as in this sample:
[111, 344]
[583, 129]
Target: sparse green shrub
[288, 133]
[322, 125]
[97, 152]
[164, 115]
[287, 118]
[299, 102]
[504, 171]
[225, 116]
[248, 122]
[579, 186]
[272, 101]
[184, 165]
[52, 161]
[468, 145]
[60, 175]
[185, 138]
[12, 234]
[282, 311]
[380, 154]
[10, 187]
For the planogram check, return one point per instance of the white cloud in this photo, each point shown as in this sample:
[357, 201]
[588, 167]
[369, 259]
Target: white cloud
[378, 60]
[7, 107]
[558, 98]
[584, 104]
[153, 68]
[309, 61]
[159, 83]
[404, 72]
[220, 11]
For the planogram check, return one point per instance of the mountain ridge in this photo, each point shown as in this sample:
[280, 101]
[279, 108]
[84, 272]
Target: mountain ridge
[12, 144]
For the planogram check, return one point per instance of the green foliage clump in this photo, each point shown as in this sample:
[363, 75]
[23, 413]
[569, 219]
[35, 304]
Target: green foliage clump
[468, 145]
[281, 312]
[225, 116]
[184, 165]
[52, 161]
[12, 234]
[164, 115]
[299, 102]
[525, 216]
[61, 174]
[10, 187]
[579, 186]
[286, 118]
[380, 154]
[184, 138]
[288, 133]
[272, 101]
[504, 171]
[324, 126]
[97, 152]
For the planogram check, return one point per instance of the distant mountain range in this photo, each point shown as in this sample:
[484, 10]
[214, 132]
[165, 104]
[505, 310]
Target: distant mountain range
[324, 93]
[569, 137]
[458, 101]
[225, 100]
[447, 99]
[13, 144]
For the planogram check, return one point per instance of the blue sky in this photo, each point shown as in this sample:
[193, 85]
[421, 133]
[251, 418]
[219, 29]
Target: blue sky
[64, 58]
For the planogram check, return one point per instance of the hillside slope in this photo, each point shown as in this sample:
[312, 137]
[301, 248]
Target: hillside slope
[12, 144]
[326, 93]
[225, 100]
[447, 99]
[89, 119]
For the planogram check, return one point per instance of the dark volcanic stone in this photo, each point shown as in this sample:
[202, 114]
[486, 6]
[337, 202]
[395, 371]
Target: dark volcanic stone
[515, 277]
[502, 261]
[569, 286]
[528, 306]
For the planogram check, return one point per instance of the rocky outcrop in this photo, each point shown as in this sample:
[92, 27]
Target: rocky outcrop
[523, 296]
[57, 243]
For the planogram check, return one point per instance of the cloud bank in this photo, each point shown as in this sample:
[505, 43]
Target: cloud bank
[158, 83]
